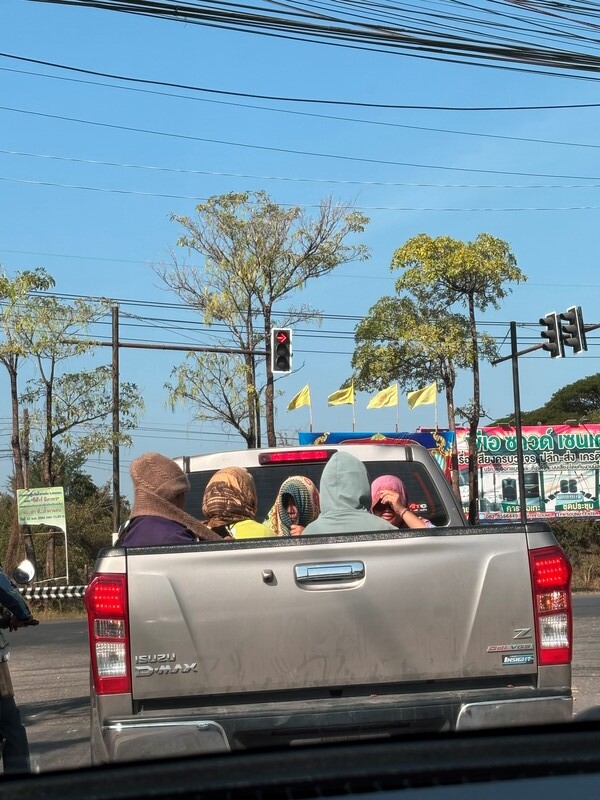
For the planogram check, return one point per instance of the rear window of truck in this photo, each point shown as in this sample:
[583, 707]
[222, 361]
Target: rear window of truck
[422, 493]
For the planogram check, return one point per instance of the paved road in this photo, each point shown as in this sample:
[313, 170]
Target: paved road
[49, 668]
[586, 652]
[50, 671]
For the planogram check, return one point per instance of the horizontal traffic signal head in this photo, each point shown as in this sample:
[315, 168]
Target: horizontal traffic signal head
[281, 350]
[554, 344]
[573, 329]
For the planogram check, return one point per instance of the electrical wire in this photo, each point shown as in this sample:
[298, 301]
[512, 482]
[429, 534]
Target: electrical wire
[246, 176]
[489, 35]
[292, 151]
[278, 98]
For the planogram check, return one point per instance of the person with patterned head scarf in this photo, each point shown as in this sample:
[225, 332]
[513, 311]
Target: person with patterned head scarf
[157, 516]
[230, 505]
[389, 501]
[296, 505]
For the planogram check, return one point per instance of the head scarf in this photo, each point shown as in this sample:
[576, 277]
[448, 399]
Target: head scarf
[306, 499]
[383, 483]
[229, 497]
[157, 481]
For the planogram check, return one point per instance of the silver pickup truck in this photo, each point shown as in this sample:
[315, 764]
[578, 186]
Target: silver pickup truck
[236, 644]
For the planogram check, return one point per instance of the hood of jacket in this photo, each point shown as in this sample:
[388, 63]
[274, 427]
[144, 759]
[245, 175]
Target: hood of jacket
[345, 494]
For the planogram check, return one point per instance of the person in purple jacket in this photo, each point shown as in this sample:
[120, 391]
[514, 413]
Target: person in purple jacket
[157, 516]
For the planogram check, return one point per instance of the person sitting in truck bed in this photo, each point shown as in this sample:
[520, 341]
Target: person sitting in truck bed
[389, 501]
[157, 516]
[345, 499]
[296, 505]
[230, 504]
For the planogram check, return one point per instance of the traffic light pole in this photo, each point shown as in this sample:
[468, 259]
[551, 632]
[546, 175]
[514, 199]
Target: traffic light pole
[514, 357]
[517, 400]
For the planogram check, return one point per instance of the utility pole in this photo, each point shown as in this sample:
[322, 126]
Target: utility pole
[116, 450]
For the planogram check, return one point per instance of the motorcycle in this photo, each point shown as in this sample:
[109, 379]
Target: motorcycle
[22, 574]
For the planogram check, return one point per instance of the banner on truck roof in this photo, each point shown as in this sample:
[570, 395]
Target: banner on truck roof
[439, 443]
[561, 465]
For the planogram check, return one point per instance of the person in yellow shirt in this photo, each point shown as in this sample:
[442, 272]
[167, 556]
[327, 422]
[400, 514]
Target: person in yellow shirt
[230, 505]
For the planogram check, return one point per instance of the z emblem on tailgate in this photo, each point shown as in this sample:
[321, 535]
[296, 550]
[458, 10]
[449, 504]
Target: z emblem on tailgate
[519, 633]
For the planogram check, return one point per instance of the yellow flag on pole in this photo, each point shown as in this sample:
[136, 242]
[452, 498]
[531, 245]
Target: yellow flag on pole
[341, 397]
[384, 398]
[422, 396]
[301, 399]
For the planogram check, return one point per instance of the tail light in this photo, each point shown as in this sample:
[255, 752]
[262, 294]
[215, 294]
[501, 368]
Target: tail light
[106, 604]
[551, 583]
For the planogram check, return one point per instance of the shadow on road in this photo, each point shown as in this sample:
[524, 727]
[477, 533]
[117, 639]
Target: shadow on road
[49, 709]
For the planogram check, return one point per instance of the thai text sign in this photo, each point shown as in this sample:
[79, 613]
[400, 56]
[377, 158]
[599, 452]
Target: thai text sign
[45, 506]
[561, 465]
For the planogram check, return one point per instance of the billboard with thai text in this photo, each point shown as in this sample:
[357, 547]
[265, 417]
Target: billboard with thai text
[561, 465]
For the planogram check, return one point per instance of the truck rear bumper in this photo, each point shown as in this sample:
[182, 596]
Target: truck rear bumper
[508, 713]
[220, 729]
[134, 740]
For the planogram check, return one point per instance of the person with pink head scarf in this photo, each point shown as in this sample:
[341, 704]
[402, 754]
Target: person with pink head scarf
[389, 501]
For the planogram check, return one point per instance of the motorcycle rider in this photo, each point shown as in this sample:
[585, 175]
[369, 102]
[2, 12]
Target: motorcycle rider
[15, 748]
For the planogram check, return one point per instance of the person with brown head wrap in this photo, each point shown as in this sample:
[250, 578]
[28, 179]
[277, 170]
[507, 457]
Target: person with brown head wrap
[157, 516]
[230, 504]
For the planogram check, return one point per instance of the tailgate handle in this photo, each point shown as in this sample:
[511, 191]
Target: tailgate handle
[318, 573]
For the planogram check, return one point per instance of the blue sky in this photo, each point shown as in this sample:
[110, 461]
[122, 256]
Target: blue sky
[101, 239]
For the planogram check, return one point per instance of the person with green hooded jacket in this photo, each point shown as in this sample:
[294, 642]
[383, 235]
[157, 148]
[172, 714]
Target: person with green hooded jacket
[345, 493]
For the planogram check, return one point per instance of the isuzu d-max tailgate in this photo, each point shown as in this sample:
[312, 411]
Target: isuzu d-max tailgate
[284, 614]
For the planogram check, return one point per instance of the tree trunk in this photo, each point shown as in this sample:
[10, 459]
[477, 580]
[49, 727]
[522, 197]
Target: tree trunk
[51, 556]
[13, 547]
[250, 383]
[454, 455]
[250, 393]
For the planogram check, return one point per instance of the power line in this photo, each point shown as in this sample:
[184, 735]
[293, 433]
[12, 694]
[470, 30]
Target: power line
[405, 209]
[404, 184]
[456, 38]
[286, 150]
[287, 99]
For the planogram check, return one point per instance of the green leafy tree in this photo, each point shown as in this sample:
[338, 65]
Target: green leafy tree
[410, 344]
[16, 296]
[73, 407]
[441, 272]
[256, 254]
[578, 400]
[217, 387]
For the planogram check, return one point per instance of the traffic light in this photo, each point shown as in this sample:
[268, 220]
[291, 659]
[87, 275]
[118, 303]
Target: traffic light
[281, 350]
[554, 345]
[573, 333]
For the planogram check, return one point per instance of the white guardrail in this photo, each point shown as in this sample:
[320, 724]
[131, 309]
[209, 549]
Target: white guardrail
[52, 592]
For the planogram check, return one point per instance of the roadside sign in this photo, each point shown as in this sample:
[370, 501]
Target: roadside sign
[44, 506]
